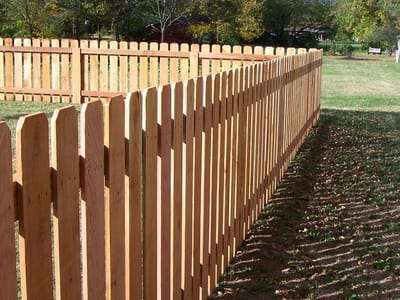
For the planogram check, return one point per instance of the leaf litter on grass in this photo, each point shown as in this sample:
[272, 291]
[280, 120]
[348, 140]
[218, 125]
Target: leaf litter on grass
[332, 230]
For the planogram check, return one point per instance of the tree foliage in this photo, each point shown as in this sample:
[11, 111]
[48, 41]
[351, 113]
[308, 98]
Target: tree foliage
[273, 22]
[227, 20]
[369, 21]
[291, 22]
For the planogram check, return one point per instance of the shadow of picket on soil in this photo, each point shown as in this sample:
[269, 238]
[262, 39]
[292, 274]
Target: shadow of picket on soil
[331, 230]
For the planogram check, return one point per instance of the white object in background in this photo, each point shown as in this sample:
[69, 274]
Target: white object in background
[398, 49]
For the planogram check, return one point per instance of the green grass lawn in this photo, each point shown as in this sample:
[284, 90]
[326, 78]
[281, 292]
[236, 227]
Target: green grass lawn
[11, 111]
[362, 83]
[331, 229]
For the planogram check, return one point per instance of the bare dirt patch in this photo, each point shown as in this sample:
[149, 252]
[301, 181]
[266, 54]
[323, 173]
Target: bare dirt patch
[332, 229]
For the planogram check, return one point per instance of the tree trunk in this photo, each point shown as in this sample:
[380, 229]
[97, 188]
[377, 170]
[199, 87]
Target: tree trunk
[115, 29]
[162, 34]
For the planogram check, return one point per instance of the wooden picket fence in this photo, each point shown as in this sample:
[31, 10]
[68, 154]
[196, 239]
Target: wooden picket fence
[152, 195]
[75, 71]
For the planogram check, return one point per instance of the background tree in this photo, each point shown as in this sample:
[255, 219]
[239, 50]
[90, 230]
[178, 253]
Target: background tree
[161, 14]
[65, 18]
[272, 22]
[249, 19]
[119, 14]
[227, 21]
[372, 22]
[212, 21]
[24, 17]
[294, 22]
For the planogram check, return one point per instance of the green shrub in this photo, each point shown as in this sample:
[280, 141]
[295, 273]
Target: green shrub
[345, 50]
[332, 50]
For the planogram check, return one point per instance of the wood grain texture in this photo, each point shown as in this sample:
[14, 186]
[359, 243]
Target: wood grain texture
[184, 63]
[249, 51]
[114, 78]
[46, 70]
[104, 68]
[36, 69]
[8, 275]
[133, 134]
[206, 187]
[194, 61]
[92, 185]
[174, 64]
[177, 191]
[205, 62]
[55, 69]
[215, 173]
[234, 164]
[154, 69]
[33, 176]
[222, 216]
[216, 63]
[27, 61]
[65, 185]
[228, 167]
[133, 69]
[77, 81]
[114, 142]
[94, 67]
[144, 68]
[189, 106]
[166, 190]
[226, 63]
[84, 45]
[264, 130]
[237, 50]
[9, 68]
[241, 157]
[123, 71]
[150, 230]
[2, 68]
[250, 111]
[65, 70]
[198, 174]
[18, 69]
[164, 65]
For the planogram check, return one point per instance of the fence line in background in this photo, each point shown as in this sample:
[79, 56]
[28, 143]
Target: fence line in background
[161, 191]
[74, 71]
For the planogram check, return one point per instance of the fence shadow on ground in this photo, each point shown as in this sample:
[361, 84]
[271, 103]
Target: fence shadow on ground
[331, 230]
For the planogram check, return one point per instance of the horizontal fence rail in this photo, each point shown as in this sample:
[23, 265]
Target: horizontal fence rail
[150, 195]
[74, 71]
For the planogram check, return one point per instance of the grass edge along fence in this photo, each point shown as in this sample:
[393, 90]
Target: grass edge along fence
[162, 189]
[75, 71]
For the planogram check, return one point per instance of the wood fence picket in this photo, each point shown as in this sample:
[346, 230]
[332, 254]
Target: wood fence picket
[65, 195]
[160, 191]
[8, 274]
[33, 180]
[151, 196]
[93, 215]
[133, 188]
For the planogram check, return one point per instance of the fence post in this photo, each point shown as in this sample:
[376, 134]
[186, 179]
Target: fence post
[9, 69]
[76, 75]
[194, 64]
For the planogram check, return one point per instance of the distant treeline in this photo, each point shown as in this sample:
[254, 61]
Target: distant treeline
[299, 23]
